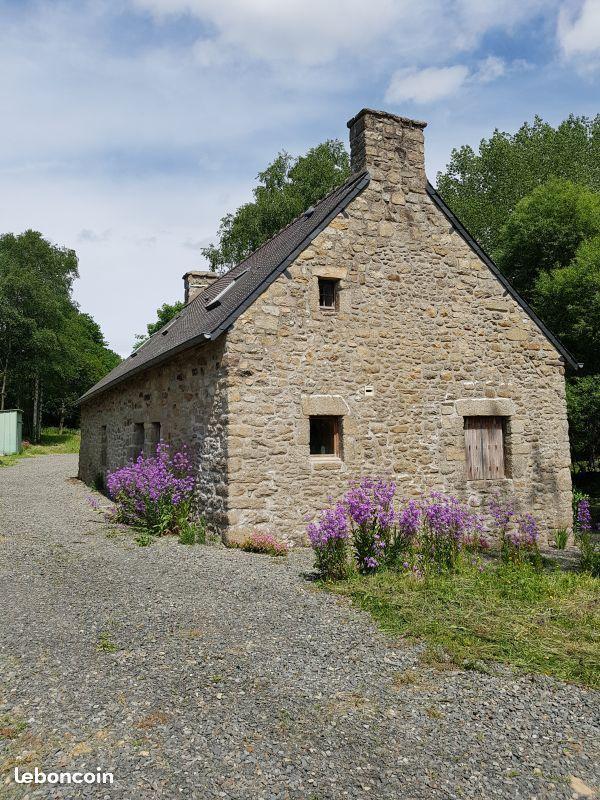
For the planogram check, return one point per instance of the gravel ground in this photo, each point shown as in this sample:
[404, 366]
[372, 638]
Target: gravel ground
[202, 672]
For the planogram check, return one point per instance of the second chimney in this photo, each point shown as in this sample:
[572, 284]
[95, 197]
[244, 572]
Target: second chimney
[195, 282]
[390, 147]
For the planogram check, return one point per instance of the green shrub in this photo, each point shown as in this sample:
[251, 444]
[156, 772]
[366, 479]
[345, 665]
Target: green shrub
[192, 532]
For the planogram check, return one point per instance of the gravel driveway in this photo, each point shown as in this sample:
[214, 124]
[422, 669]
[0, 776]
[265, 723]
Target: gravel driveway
[201, 672]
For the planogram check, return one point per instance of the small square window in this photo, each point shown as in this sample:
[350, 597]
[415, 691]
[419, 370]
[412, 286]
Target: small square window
[326, 436]
[328, 294]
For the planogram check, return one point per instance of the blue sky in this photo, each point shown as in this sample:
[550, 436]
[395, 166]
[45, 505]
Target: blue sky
[129, 127]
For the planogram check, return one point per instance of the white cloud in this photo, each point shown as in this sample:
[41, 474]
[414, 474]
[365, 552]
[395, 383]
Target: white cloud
[437, 83]
[425, 85]
[490, 69]
[313, 32]
[578, 33]
[129, 129]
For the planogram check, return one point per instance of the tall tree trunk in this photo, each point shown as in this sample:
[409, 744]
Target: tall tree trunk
[35, 416]
[4, 376]
[39, 420]
[3, 390]
[61, 423]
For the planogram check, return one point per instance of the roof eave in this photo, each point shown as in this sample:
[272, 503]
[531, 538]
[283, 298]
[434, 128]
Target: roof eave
[188, 344]
[470, 240]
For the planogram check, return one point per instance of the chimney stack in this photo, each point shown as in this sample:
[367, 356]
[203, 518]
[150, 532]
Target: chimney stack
[391, 148]
[197, 281]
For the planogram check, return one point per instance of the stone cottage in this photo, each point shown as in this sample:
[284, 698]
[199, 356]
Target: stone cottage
[372, 335]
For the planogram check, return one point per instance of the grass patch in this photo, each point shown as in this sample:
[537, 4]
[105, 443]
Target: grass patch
[52, 442]
[105, 644]
[537, 621]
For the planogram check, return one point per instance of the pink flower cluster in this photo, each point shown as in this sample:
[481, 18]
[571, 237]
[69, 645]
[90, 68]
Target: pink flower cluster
[265, 543]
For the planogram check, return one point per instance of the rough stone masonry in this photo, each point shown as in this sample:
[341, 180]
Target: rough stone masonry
[423, 335]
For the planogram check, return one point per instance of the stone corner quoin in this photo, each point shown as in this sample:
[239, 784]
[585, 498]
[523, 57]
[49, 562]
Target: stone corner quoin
[423, 337]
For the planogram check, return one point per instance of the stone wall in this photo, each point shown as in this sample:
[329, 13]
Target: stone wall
[188, 396]
[423, 323]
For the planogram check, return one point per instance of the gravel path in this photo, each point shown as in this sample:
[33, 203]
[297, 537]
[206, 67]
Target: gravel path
[201, 672]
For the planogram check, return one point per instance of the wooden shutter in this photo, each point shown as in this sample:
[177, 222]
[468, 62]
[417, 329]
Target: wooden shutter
[484, 445]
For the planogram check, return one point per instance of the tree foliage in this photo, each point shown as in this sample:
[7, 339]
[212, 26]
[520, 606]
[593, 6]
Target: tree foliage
[164, 314]
[483, 188]
[50, 352]
[286, 188]
[583, 403]
[569, 299]
[545, 230]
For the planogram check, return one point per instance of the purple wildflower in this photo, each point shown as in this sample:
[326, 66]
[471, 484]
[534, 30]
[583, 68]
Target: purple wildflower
[409, 519]
[332, 526]
[152, 490]
[584, 517]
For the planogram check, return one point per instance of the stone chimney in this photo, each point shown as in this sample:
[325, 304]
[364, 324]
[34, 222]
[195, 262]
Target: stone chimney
[197, 281]
[391, 148]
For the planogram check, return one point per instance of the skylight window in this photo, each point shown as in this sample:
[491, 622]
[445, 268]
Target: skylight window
[217, 300]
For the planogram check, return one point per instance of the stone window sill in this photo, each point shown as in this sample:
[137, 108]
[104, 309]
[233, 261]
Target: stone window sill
[488, 481]
[326, 462]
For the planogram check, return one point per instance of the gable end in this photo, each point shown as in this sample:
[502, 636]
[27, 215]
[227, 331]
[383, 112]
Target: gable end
[478, 250]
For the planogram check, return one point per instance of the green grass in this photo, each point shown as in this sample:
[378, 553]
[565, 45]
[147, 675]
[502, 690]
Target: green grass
[546, 622]
[52, 442]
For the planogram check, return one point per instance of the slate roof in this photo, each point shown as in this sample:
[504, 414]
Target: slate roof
[212, 311]
[196, 323]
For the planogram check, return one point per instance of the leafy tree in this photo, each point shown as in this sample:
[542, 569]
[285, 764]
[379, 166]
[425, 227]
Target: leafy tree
[569, 298]
[482, 188]
[35, 284]
[164, 314]
[86, 359]
[544, 231]
[286, 188]
[44, 339]
[583, 403]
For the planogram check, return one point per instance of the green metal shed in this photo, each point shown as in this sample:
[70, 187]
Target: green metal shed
[11, 431]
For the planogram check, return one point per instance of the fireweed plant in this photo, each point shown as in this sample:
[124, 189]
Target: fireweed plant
[518, 535]
[448, 526]
[590, 555]
[329, 537]
[425, 533]
[156, 493]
